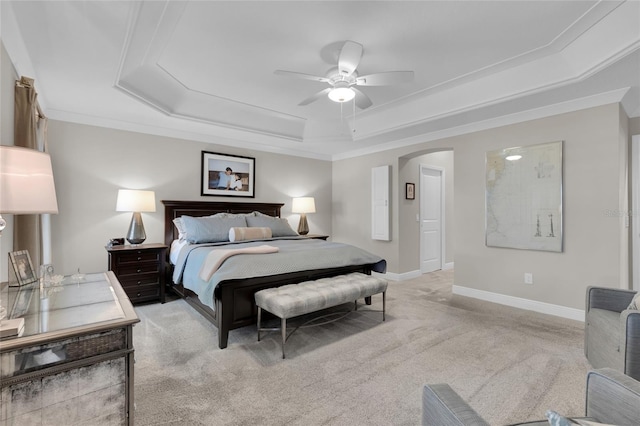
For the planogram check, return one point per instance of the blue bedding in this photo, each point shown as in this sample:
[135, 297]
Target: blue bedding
[295, 254]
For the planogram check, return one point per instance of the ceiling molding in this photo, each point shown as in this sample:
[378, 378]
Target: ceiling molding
[607, 98]
[141, 76]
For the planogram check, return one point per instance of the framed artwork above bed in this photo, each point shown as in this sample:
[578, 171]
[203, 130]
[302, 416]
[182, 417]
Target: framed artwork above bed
[227, 175]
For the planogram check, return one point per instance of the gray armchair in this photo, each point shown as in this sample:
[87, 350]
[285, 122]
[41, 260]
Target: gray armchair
[612, 332]
[612, 398]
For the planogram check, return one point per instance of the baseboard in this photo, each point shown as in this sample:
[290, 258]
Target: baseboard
[518, 302]
[411, 274]
[392, 276]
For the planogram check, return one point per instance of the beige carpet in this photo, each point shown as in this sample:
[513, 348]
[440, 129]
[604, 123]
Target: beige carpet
[510, 365]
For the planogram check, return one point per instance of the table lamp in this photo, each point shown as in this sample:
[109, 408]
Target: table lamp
[26, 187]
[303, 205]
[136, 201]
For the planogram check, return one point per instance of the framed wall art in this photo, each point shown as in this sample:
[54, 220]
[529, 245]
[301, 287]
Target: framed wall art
[227, 175]
[410, 191]
[524, 197]
[20, 264]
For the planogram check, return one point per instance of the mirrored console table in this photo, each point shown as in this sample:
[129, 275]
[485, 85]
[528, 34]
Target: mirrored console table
[73, 362]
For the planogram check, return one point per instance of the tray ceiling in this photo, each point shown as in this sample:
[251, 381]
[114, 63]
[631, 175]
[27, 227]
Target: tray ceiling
[204, 70]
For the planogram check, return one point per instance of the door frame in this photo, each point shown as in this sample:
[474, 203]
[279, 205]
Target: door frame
[442, 212]
[635, 210]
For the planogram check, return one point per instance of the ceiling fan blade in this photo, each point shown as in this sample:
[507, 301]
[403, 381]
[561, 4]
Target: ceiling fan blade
[315, 97]
[301, 75]
[349, 57]
[361, 100]
[385, 78]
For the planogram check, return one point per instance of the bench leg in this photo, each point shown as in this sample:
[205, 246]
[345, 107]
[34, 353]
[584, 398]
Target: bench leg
[259, 317]
[384, 304]
[283, 322]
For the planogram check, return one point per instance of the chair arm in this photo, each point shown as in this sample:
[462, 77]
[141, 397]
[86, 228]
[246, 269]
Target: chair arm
[630, 329]
[442, 406]
[611, 299]
[612, 397]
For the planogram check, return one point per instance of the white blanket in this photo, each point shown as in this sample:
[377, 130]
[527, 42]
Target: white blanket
[216, 257]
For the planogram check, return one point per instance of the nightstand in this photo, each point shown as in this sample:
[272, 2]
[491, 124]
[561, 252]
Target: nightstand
[140, 270]
[317, 236]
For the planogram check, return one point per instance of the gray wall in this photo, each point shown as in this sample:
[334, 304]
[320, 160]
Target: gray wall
[91, 163]
[594, 175]
[634, 126]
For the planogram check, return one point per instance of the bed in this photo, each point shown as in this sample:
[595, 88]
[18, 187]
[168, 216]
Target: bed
[230, 302]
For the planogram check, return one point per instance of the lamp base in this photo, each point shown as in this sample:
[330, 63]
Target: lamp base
[303, 226]
[136, 234]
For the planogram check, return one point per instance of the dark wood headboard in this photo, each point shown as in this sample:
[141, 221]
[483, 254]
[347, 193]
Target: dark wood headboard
[174, 209]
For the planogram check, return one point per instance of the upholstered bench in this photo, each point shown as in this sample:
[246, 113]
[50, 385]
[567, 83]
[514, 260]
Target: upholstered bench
[294, 300]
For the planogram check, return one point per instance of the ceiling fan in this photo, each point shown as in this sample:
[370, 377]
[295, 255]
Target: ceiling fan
[344, 78]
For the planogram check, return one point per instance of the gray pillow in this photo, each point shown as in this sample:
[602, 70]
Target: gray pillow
[210, 229]
[279, 226]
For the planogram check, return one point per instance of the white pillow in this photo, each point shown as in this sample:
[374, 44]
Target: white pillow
[177, 222]
[635, 303]
[249, 233]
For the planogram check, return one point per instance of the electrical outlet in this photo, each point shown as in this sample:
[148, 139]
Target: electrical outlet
[528, 278]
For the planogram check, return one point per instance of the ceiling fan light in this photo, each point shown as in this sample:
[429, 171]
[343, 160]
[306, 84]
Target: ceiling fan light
[341, 94]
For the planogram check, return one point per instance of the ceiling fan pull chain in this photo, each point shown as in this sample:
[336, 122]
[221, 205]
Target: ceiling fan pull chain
[354, 115]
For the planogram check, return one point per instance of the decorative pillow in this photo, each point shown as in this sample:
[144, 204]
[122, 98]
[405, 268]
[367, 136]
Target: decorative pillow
[635, 303]
[556, 419]
[210, 229]
[243, 234]
[279, 226]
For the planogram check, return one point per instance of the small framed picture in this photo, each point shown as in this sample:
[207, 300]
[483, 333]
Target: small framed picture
[22, 302]
[22, 267]
[410, 191]
[227, 175]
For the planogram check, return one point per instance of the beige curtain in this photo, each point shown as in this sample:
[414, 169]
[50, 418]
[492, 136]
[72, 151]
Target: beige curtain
[29, 132]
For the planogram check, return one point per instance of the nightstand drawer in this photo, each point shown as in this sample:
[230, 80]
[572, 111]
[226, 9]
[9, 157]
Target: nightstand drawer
[136, 269]
[143, 294]
[133, 281]
[138, 256]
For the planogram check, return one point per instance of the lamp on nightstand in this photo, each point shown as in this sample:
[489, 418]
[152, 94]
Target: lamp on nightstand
[303, 205]
[136, 201]
[26, 187]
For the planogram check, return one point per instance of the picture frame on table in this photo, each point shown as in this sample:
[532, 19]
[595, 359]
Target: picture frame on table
[20, 262]
[226, 175]
[22, 302]
[410, 191]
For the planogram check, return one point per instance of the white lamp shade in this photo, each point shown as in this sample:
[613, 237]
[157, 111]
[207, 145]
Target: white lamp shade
[26, 182]
[133, 200]
[303, 205]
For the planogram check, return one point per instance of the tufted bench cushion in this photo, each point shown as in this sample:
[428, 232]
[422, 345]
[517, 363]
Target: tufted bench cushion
[298, 299]
[310, 296]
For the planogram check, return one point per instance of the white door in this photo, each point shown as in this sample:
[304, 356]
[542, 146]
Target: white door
[431, 218]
